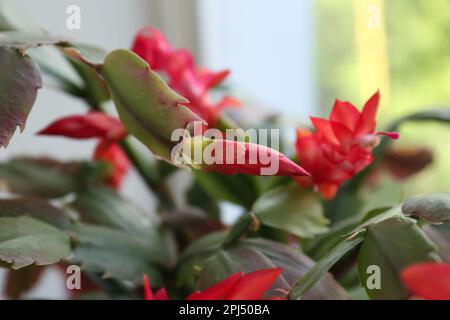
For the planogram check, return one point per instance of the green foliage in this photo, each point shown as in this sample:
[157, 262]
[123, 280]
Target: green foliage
[102, 206]
[47, 178]
[432, 207]
[239, 189]
[293, 210]
[35, 208]
[118, 254]
[310, 278]
[392, 245]
[25, 240]
[147, 106]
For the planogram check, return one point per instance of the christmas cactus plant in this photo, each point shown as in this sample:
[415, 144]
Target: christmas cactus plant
[321, 218]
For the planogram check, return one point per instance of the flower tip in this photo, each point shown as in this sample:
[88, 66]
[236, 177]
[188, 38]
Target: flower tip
[299, 171]
[41, 132]
[392, 135]
[148, 294]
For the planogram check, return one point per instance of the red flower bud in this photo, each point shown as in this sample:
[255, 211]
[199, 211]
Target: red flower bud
[91, 125]
[234, 157]
[97, 125]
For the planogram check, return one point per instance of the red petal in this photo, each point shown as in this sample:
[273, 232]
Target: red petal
[227, 102]
[307, 147]
[343, 135]
[253, 285]
[367, 121]
[151, 45]
[148, 293]
[73, 127]
[325, 131]
[218, 291]
[113, 128]
[328, 190]
[161, 294]
[345, 113]
[428, 280]
[114, 155]
[211, 78]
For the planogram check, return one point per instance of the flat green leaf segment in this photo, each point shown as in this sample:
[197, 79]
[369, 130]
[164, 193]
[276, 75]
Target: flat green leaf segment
[26, 40]
[118, 254]
[239, 189]
[293, 210]
[391, 246]
[432, 207]
[146, 105]
[45, 177]
[24, 241]
[116, 239]
[19, 82]
[102, 206]
[35, 208]
[310, 278]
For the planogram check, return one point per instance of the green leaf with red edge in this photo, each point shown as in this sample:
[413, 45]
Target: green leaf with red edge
[19, 82]
[150, 110]
[87, 60]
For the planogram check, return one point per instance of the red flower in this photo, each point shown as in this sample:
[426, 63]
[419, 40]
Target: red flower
[184, 76]
[97, 125]
[113, 154]
[340, 147]
[239, 286]
[428, 280]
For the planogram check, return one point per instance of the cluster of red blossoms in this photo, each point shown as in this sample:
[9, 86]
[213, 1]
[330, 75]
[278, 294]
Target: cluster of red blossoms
[239, 286]
[108, 130]
[340, 147]
[184, 76]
